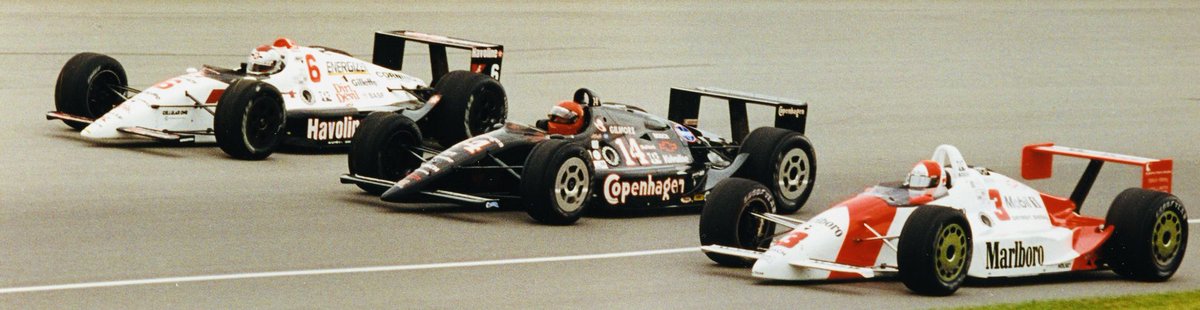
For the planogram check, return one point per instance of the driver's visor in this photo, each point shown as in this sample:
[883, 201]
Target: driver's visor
[919, 181]
[562, 115]
[262, 68]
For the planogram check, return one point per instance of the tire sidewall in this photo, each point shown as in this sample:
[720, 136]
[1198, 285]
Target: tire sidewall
[916, 250]
[74, 86]
[539, 185]
[766, 147]
[455, 116]
[726, 214]
[233, 116]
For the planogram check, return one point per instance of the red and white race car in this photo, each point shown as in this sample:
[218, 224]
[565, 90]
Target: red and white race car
[948, 221]
[286, 93]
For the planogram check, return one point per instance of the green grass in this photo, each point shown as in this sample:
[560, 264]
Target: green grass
[1173, 300]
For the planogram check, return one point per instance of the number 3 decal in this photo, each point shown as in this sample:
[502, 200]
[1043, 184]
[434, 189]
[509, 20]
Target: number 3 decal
[314, 73]
[1001, 213]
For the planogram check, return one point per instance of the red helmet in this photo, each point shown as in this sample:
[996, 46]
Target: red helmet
[566, 118]
[926, 174]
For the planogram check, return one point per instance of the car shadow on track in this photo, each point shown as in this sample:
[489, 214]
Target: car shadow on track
[456, 212]
[618, 213]
[1070, 277]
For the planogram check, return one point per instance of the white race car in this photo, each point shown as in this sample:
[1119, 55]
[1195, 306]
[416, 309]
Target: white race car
[286, 93]
[948, 221]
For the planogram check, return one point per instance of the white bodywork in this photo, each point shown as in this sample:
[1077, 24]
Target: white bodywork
[1012, 231]
[312, 80]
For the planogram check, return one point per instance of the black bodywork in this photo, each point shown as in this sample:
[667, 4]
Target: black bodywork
[640, 160]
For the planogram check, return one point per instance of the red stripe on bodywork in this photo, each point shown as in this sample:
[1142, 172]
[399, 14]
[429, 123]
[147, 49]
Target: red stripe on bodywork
[855, 251]
[214, 95]
[1086, 234]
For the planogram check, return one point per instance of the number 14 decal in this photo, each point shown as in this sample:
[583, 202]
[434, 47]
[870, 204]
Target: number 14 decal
[633, 153]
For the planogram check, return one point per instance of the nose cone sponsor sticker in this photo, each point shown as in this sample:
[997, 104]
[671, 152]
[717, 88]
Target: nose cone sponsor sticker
[685, 134]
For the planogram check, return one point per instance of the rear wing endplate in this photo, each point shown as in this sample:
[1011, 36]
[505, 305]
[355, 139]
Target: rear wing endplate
[684, 108]
[389, 52]
[1037, 161]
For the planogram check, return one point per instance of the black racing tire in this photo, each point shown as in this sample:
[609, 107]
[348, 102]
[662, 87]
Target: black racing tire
[382, 148]
[727, 219]
[249, 120]
[784, 161]
[85, 87]
[934, 251]
[557, 182]
[470, 104]
[1149, 237]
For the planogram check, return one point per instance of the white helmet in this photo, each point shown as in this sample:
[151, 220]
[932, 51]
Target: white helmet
[264, 60]
[926, 174]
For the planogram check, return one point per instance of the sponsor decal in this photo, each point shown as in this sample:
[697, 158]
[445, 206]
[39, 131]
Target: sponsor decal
[668, 146]
[325, 96]
[389, 75]
[325, 130]
[1016, 256]
[599, 121]
[477, 144]
[792, 111]
[622, 130]
[486, 53]
[675, 159]
[345, 92]
[659, 135]
[363, 82]
[1022, 202]
[617, 191]
[685, 134]
[837, 230]
[345, 67]
[375, 95]
[174, 112]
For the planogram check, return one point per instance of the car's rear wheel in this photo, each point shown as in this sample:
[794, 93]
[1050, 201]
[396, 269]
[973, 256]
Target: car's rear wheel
[383, 148]
[89, 85]
[728, 219]
[557, 182]
[470, 104]
[249, 120]
[1150, 235]
[784, 161]
[934, 251]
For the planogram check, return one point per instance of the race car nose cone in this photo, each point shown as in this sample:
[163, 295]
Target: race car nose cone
[100, 130]
[394, 194]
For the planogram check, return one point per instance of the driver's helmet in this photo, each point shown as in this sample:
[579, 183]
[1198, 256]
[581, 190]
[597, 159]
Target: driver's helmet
[566, 118]
[264, 60]
[926, 174]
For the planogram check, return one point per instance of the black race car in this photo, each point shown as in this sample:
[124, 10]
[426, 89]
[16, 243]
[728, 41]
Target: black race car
[621, 157]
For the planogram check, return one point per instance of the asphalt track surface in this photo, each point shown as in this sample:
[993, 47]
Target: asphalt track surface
[187, 227]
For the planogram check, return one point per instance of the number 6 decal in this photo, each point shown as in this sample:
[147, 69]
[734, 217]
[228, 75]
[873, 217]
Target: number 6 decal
[314, 72]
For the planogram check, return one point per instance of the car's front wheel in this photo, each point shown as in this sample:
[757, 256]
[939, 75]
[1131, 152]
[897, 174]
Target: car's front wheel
[249, 120]
[557, 182]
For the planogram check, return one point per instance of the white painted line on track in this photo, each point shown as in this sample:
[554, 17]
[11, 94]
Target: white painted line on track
[1196, 221]
[275, 274]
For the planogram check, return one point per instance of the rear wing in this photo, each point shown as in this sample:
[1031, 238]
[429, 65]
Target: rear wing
[684, 108]
[389, 52]
[1037, 161]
